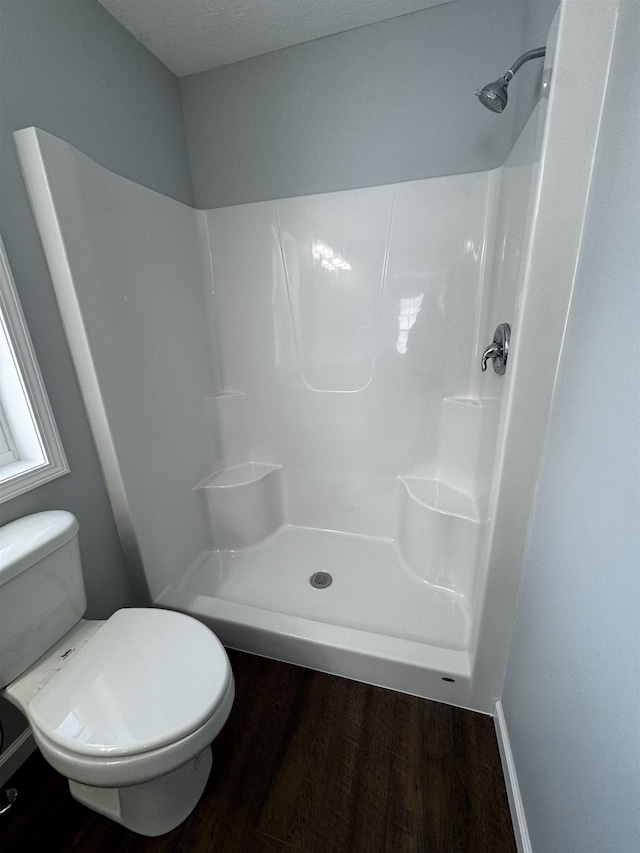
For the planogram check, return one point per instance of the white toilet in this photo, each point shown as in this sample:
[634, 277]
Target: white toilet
[127, 708]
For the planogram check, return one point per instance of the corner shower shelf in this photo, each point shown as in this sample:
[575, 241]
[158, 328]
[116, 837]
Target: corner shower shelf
[238, 475]
[439, 532]
[441, 498]
[245, 503]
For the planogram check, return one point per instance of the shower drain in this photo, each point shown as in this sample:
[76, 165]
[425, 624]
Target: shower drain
[320, 580]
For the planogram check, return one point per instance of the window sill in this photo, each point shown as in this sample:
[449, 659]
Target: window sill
[21, 476]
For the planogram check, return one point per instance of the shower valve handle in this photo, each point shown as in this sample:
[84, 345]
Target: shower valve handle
[498, 350]
[492, 351]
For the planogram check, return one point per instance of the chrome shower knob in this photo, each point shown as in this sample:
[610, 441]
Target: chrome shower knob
[498, 351]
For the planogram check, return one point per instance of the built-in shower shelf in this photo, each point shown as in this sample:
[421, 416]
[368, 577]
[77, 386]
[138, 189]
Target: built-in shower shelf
[440, 497]
[238, 475]
[245, 503]
[439, 530]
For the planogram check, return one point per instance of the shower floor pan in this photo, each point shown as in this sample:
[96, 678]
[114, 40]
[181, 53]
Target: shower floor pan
[376, 622]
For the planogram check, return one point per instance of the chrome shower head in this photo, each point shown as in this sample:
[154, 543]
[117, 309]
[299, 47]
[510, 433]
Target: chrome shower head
[494, 96]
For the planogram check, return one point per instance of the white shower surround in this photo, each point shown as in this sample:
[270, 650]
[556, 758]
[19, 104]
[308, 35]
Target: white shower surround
[334, 424]
[330, 418]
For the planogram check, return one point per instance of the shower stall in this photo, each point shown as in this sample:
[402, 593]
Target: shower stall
[299, 443]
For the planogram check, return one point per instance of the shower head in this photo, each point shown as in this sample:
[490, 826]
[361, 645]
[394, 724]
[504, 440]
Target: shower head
[494, 96]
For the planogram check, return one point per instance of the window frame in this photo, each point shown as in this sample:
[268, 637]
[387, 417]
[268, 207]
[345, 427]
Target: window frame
[28, 416]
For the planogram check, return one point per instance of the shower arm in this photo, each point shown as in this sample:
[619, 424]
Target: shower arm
[536, 53]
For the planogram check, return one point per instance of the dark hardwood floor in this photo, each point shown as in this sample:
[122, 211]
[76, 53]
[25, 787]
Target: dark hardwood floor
[307, 762]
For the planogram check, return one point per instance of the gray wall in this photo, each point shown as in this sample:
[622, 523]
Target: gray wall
[68, 67]
[389, 102]
[572, 689]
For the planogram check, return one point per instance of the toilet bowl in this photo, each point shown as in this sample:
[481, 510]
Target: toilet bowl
[127, 708]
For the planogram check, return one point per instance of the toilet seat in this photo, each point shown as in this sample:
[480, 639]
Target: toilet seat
[125, 770]
[147, 678]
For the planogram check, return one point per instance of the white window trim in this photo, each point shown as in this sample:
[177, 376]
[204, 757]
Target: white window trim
[28, 415]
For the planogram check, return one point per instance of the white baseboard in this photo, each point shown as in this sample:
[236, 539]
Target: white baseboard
[15, 755]
[518, 817]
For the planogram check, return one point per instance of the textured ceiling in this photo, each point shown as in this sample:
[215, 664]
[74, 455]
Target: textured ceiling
[190, 36]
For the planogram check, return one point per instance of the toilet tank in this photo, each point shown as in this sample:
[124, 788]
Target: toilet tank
[42, 593]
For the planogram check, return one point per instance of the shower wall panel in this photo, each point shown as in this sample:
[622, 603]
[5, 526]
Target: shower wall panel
[129, 265]
[345, 320]
[513, 206]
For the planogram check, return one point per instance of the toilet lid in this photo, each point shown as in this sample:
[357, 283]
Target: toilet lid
[147, 678]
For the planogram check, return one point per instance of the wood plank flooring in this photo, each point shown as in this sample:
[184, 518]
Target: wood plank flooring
[307, 762]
